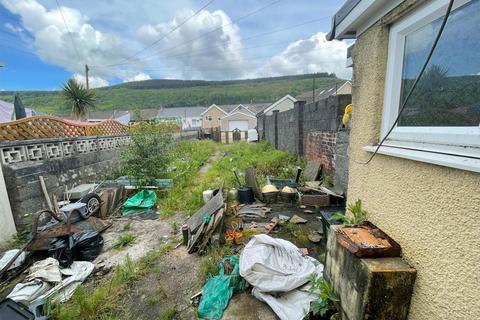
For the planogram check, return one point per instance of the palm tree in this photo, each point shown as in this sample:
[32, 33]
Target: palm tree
[81, 98]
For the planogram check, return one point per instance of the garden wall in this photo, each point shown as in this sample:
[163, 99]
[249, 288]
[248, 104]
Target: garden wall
[312, 130]
[61, 162]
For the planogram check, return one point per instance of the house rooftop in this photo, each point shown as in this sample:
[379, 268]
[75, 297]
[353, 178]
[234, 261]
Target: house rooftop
[321, 93]
[195, 111]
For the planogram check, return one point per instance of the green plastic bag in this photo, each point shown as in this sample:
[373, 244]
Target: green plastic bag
[139, 202]
[218, 290]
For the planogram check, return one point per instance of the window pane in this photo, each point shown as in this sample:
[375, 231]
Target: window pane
[448, 94]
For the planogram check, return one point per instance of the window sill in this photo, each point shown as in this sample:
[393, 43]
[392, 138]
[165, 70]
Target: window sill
[428, 155]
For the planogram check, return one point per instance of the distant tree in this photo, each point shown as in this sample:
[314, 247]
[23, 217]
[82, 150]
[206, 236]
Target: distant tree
[80, 97]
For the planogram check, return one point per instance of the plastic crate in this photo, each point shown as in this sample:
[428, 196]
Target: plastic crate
[11, 310]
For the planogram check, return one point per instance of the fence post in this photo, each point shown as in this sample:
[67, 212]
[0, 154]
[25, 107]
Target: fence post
[299, 107]
[275, 127]
[264, 120]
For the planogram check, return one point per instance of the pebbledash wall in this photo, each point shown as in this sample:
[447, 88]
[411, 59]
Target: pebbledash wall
[431, 210]
[62, 162]
[315, 131]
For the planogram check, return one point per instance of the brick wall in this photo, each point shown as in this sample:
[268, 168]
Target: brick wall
[320, 148]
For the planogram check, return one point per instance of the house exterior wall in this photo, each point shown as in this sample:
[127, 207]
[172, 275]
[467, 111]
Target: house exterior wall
[432, 211]
[191, 122]
[215, 113]
[252, 121]
[346, 89]
[285, 105]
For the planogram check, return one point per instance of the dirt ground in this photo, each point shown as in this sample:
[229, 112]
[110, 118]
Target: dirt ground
[149, 235]
[174, 279]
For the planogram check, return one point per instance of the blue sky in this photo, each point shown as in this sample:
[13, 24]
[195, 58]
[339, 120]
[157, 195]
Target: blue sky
[39, 54]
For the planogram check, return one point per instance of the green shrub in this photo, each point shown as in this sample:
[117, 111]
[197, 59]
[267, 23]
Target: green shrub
[148, 154]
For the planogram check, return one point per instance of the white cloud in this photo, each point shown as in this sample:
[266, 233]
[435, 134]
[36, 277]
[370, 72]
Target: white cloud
[12, 28]
[214, 54]
[138, 77]
[53, 44]
[93, 82]
[315, 54]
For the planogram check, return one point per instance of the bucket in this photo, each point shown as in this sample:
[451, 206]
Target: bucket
[207, 195]
[245, 195]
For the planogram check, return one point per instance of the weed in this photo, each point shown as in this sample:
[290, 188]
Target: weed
[327, 181]
[17, 241]
[248, 233]
[125, 274]
[102, 303]
[355, 214]
[174, 226]
[327, 301]
[168, 314]
[127, 226]
[148, 155]
[124, 241]
[149, 261]
[301, 235]
[288, 227]
[208, 264]
[153, 300]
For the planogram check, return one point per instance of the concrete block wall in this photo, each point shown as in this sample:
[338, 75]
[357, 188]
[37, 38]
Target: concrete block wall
[23, 186]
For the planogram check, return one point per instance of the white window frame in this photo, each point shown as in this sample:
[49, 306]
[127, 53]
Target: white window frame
[460, 142]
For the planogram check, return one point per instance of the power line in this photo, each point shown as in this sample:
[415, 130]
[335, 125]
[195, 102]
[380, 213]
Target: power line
[151, 57]
[168, 33]
[417, 79]
[213, 30]
[68, 30]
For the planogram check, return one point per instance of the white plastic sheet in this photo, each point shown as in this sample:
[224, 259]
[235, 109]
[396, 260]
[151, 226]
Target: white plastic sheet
[7, 256]
[278, 272]
[45, 279]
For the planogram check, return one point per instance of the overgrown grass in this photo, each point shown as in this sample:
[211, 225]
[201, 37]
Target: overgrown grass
[262, 156]
[124, 241]
[188, 159]
[127, 226]
[208, 264]
[102, 302]
[168, 314]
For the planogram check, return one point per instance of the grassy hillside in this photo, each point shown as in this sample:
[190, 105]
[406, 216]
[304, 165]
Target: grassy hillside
[178, 93]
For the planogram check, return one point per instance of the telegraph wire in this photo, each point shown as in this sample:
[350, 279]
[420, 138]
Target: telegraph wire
[153, 56]
[422, 70]
[167, 34]
[211, 31]
[68, 30]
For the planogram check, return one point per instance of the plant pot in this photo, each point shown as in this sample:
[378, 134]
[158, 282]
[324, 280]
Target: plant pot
[367, 241]
[245, 195]
[270, 197]
[288, 196]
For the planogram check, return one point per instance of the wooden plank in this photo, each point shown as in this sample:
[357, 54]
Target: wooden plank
[209, 208]
[251, 180]
[312, 171]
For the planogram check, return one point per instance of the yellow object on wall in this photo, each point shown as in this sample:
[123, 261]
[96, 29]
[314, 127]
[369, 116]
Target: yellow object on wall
[346, 115]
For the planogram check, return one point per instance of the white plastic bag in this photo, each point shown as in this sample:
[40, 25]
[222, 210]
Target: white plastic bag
[279, 272]
[292, 305]
[275, 265]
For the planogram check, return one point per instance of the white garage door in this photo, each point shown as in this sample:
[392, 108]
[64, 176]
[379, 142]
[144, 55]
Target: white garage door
[238, 124]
